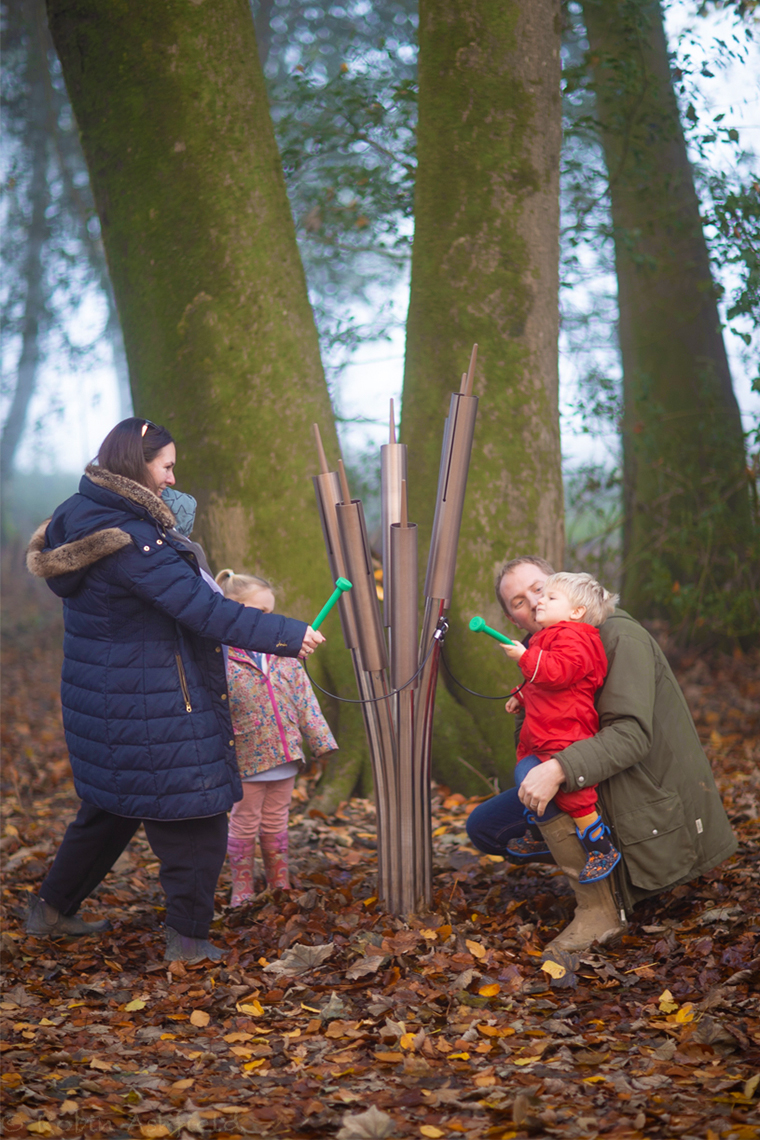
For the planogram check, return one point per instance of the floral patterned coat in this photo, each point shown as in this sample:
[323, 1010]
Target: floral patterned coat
[272, 712]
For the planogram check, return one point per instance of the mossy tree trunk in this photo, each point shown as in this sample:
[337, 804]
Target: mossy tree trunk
[485, 270]
[220, 338]
[685, 489]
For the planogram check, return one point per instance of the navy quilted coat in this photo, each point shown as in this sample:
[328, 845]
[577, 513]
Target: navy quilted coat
[144, 690]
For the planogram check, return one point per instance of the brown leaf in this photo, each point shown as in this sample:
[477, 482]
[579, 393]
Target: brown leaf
[370, 1125]
[300, 959]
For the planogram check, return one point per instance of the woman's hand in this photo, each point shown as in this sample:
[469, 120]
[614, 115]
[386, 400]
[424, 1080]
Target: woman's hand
[512, 705]
[312, 638]
[514, 652]
[541, 785]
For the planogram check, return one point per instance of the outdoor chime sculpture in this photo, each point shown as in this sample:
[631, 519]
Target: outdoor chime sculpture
[397, 690]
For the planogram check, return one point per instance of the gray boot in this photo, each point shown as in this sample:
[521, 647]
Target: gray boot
[183, 948]
[44, 921]
[596, 918]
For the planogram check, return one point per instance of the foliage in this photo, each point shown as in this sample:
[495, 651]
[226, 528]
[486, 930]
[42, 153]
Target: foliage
[341, 82]
[75, 284]
[704, 593]
[441, 1027]
[347, 147]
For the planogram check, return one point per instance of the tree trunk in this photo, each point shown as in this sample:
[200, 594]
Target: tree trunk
[219, 334]
[485, 270]
[685, 488]
[37, 233]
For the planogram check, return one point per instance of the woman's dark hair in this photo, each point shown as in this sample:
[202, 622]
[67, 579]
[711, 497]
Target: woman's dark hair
[130, 446]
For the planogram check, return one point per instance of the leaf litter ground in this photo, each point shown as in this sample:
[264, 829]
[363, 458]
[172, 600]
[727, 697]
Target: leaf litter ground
[329, 1018]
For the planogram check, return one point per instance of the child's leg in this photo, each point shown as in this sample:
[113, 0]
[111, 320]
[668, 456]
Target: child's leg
[241, 841]
[602, 855]
[274, 831]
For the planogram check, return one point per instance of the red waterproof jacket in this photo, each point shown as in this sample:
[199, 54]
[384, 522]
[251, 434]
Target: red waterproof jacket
[563, 667]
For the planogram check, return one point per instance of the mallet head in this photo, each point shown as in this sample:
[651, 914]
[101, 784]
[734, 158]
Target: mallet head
[477, 624]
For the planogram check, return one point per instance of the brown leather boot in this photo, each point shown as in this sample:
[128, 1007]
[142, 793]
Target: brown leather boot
[596, 918]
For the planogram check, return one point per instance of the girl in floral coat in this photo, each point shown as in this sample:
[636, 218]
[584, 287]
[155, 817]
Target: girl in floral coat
[273, 707]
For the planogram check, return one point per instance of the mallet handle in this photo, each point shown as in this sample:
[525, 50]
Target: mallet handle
[478, 625]
[341, 586]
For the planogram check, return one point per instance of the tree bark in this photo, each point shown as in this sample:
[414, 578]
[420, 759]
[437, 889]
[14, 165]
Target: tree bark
[485, 270]
[220, 338]
[685, 487]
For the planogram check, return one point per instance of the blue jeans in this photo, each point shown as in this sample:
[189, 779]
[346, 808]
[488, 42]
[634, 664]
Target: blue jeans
[492, 824]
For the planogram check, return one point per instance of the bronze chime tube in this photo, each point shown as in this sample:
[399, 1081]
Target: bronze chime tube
[439, 581]
[413, 793]
[374, 657]
[393, 462]
[452, 484]
[328, 490]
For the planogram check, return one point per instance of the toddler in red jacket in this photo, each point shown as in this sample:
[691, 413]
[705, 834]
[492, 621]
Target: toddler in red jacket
[563, 666]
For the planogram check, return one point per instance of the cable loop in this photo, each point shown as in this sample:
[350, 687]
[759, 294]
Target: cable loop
[472, 691]
[386, 696]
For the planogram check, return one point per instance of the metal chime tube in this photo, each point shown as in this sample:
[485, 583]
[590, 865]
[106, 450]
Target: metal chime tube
[414, 793]
[393, 463]
[328, 492]
[439, 581]
[353, 533]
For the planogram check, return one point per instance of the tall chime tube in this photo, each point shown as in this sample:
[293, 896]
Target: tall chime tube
[414, 792]
[393, 463]
[374, 656]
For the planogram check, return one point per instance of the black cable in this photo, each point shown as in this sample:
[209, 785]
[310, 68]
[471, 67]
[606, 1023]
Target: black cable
[472, 691]
[437, 636]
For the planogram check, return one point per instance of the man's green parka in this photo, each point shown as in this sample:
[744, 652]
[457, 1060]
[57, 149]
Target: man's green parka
[655, 786]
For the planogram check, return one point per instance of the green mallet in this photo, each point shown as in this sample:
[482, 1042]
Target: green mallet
[478, 625]
[341, 586]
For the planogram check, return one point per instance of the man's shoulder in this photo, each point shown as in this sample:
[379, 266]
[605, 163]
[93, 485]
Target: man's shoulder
[620, 626]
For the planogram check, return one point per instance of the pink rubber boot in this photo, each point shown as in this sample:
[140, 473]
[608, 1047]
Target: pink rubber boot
[274, 852]
[240, 852]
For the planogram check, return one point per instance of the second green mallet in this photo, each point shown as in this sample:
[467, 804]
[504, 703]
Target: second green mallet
[341, 586]
[478, 625]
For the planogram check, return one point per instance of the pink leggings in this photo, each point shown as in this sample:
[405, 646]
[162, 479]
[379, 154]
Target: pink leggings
[264, 805]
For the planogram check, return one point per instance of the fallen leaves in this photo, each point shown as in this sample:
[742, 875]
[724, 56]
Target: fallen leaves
[369, 1125]
[328, 1015]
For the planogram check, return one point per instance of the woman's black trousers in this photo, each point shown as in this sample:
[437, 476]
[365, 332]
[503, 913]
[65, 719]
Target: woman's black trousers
[190, 852]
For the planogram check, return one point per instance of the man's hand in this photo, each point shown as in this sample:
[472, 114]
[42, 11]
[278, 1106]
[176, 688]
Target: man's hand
[512, 705]
[541, 785]
[514, 652]
[312, 638]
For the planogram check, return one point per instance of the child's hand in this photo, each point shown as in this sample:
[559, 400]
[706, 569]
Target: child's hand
[512, 705]
[312, 639]
[514, 652]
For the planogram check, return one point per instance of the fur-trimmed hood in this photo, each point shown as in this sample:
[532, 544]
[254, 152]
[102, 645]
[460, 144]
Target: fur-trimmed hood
[74, 538]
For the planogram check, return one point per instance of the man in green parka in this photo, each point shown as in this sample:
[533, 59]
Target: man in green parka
[655, 786]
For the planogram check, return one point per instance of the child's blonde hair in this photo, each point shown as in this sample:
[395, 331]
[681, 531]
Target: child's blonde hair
[583, 590]
[238, 585]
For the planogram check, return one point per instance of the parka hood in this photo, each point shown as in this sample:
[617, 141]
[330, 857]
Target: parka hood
[81, 531]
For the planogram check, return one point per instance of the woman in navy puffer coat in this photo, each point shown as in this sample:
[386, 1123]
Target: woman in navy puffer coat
[144, 689]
